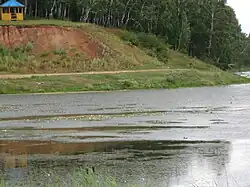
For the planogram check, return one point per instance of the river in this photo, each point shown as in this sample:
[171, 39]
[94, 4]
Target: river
[181, 137]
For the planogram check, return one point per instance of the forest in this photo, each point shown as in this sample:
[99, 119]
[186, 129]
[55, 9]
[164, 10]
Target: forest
[205, 29]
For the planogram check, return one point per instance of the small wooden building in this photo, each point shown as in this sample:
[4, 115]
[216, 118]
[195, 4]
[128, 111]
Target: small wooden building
[12, 11]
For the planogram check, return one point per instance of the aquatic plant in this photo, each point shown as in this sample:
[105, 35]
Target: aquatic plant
[80, 178]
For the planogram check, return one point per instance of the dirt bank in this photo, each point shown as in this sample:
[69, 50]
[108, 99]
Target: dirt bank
[28, 49]
[49, 38]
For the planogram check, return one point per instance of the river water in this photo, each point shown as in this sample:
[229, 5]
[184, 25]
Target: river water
[182, 137]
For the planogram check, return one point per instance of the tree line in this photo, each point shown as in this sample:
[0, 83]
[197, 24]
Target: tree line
[206, 29]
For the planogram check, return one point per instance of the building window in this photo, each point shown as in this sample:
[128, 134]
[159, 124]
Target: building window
[13, 10]
[20, 10]
[6, 10]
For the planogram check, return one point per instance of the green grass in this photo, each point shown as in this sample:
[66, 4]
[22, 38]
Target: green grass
[153, 45]
[113, 53]
[123, 81]
[52, 22]
[121, 50]
[117, 54]
[240, 69]
[79, 178]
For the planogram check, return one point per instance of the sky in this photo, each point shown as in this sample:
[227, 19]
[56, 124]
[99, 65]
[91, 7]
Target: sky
[242, 10]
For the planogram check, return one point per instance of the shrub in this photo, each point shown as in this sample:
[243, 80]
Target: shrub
[151, 41]
[3, 67]
[44, 54]
[3, 51]
[126, 84]
[59, 51]
[29, 47]
[153, 45]
[130, 37]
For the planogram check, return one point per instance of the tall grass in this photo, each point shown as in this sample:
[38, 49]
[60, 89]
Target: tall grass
[11, 60]
[101, 82]
[22, 60]
[88, 178]
[79, 178]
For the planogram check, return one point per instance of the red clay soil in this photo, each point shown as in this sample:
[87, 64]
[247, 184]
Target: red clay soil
[49, 38]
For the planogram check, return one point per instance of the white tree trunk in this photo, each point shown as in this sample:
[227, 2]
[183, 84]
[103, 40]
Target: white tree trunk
[211, 31]
[52, 9]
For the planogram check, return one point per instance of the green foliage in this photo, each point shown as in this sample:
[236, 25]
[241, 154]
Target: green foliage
[121, 81]
[80, 178]
[154, 45]
[44, 54]
[17, 52]
[206, 29]
[12, 59]
[151, 41]
[59, 51]
[29, 46]
[130, 37]
[4, 51]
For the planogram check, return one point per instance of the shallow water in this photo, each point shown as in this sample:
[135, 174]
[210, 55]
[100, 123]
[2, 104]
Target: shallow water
[183, 137]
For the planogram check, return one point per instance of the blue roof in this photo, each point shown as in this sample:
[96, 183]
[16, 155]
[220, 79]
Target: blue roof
[12, 3]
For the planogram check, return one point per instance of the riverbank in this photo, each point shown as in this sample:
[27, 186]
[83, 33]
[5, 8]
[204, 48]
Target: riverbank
[119, 81]
[42, 56]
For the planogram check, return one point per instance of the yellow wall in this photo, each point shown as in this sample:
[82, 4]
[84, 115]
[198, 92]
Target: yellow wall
[12, 161]
[19, 16]
[7, 16]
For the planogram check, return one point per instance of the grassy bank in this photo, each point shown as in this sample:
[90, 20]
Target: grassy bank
[52, 46]
[105, 82]
[241, 69]
[82, 48]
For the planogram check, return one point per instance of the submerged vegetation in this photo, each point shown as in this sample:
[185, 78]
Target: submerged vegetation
[80, 178]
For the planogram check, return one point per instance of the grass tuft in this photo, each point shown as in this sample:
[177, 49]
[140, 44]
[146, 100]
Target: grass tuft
[79, 178]
[59, 51]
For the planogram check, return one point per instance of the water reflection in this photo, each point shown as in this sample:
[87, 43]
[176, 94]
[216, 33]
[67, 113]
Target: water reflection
[53, 134]
[8, 161]
[161, 162]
